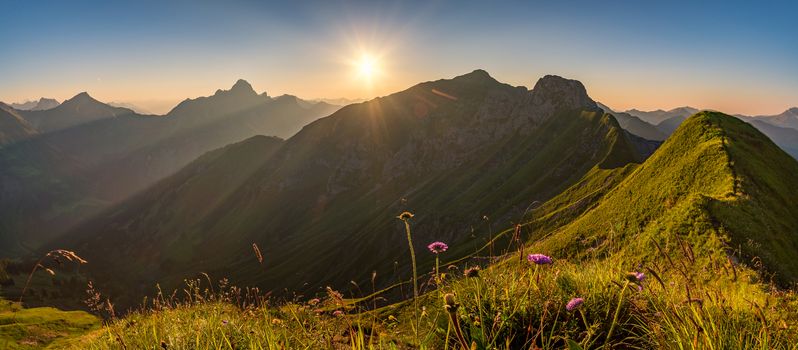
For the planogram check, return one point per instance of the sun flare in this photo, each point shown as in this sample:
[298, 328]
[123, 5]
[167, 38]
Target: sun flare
[367, 67]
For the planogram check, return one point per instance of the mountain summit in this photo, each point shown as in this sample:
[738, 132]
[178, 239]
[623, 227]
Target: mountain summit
[563, 92]
[80, 109]
[240, 88]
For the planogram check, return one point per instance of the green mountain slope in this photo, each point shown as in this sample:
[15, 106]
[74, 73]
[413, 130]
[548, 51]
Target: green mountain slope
[716, 180]
[705, 218]
[450, 150]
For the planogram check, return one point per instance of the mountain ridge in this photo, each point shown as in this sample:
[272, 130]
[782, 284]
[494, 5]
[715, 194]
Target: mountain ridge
[336, 181]
[69, 174]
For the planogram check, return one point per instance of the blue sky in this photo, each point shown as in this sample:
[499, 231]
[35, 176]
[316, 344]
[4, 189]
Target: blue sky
[738, 57]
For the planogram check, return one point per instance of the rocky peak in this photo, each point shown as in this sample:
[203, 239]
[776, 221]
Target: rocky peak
[240, 88]
[793, 111]
[80, 98]
[565, 93]
[45, 103]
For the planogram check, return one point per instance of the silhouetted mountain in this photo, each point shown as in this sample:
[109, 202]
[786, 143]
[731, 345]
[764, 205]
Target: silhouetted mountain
[116, 155]
[131, 107]
[635, 125]
[340, 101]
[78, 110]
[658, 116]
[40, 105]
[786, 138]
[13, 127]
[320, 206]
[787, 119]
[668, 126]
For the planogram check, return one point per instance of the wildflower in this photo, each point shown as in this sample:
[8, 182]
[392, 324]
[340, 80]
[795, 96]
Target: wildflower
[338, 313]
[437, 247]
[277, 321]
[471, 272]
[225, 322]
[636, 278]
[574, 303]
[539, 259]
[314, 301]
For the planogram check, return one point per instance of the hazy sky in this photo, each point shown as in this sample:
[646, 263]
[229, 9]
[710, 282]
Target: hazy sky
[734, 57]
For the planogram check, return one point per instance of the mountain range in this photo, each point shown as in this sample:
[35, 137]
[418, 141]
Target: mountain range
[40, 105]
[658, 125]
[154, 199]
[447, 149]
[87, 155]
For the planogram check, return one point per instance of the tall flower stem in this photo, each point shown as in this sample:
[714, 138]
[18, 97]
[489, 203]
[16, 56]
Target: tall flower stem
[405, 217]
[617, 313]
[437, 275]
[587, 328]
[412, 260]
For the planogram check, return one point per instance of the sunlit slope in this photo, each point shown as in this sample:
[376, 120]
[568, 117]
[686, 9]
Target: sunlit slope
[322, 207]
[717, 180]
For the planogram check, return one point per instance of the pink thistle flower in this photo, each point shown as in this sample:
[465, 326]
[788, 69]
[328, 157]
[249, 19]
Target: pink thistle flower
[437, 247]
[539, 259]
[574, 303]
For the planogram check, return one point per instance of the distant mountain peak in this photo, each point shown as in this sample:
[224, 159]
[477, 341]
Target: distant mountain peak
[242, 84]
[81, 97]
[477, 75]
[240, 88]
[36, 105]
[793, 111]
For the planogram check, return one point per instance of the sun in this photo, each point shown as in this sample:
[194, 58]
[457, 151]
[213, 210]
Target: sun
[367, 67]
